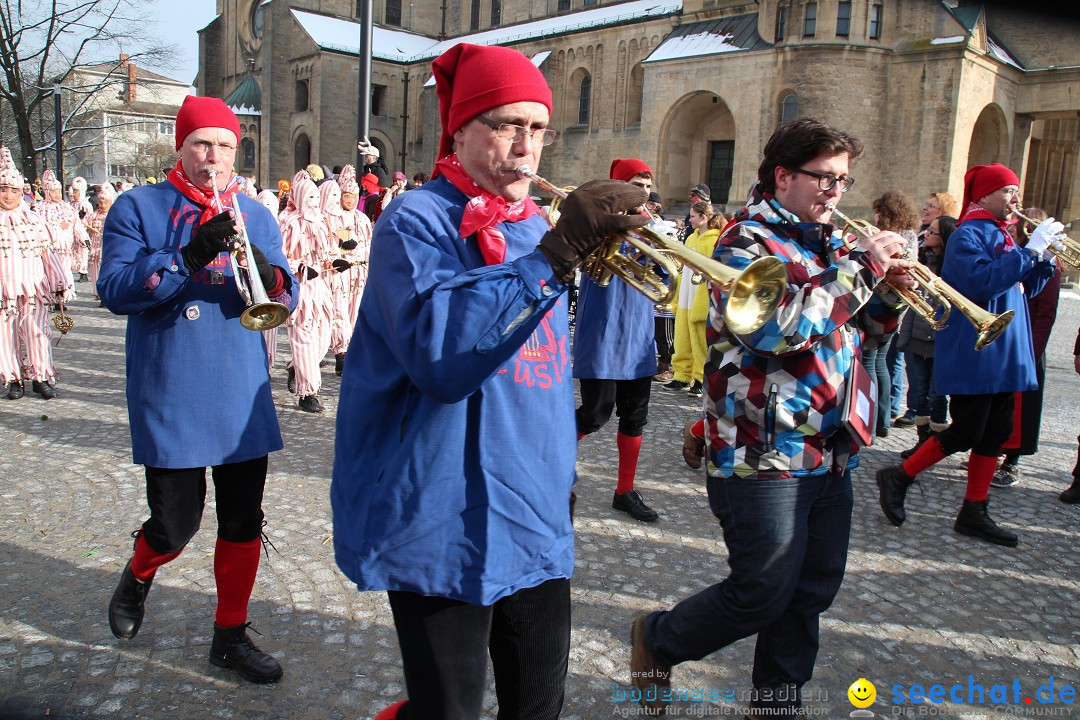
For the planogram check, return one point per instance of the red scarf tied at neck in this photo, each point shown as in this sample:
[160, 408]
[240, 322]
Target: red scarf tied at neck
[204, 198]
[484, 211]
[977, 212]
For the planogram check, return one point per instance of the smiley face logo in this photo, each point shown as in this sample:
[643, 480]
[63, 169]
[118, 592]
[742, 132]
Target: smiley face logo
[862, 693]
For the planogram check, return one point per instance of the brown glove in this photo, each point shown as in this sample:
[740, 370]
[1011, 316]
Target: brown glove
[587, 218]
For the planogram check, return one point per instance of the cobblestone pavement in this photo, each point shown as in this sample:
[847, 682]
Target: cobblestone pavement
[920, 604]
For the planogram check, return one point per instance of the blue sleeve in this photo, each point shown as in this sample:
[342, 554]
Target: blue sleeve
[977, 267]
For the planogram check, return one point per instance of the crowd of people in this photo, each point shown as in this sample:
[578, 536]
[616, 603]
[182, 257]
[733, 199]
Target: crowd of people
[447, 312]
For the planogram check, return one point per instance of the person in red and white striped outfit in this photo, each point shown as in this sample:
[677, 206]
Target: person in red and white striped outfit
[31, 276]
[69, 231]
[352, 230]
[95, 221]
[308, 247]
[270, 201]
[83, 209]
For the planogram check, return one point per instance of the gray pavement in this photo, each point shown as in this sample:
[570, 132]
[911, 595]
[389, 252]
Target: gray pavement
[920, 604]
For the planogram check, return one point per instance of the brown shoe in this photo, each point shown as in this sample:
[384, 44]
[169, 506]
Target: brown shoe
[648, 674]
[693, 447]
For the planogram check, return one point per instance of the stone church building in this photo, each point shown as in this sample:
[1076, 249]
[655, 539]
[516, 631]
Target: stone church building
[693, 87]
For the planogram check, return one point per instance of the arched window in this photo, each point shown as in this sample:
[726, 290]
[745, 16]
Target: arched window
[248, 146]
[584, 100]
[301, 96]
[789, 108]
[474, 16]
[633, 95]
[301, 152]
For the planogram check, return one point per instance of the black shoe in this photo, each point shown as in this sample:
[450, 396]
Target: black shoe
[676, 385]
[893, 484]
[904, 421]
[974, 521]
[232, 648]
[311, 404]
[631, 502]
[127, 607]
[339, 363]
[45, 389]
[695, 390]
[1072, 494]
[883, 432]
[15, 390]
[291, 382]
[646, 671]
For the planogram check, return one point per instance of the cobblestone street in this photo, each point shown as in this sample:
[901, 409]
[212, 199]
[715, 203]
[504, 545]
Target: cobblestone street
[920, 604]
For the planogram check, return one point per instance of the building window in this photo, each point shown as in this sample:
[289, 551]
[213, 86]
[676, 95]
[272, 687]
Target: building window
[563, 6]
[301, 96]
[392, 14]
[584, 100]
[302, 152]
[781, 23]
[166, 128]
[810, 20]
[496, 13]
[843, 18]
[590, 3]
[789, 108]
[875, 22]
[248, 145]
[474, 16]
[378, 100]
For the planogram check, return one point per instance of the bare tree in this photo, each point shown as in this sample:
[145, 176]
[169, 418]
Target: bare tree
[42, 41]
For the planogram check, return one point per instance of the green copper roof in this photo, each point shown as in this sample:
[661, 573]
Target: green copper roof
[246, 99]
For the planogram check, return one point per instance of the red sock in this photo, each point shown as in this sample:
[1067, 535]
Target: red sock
[235, 565]
[581, 435]
[145, 561]
[929, 453]
[980, 472]
[629, 449]
[698, 430]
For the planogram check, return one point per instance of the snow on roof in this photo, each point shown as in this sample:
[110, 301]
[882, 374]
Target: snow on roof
[998, 51]
[703, 43]
[709, 37]
[947, 40]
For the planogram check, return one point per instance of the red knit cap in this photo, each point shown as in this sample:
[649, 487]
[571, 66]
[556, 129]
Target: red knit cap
[626, 168]
[981, 180]
[202, 112]
[472, 79]
[370, 181]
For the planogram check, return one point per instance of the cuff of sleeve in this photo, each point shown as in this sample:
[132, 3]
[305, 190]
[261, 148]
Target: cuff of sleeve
[539, 277]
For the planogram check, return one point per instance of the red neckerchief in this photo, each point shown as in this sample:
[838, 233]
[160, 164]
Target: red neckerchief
[975, 212]
[484, 211]
[203, 198]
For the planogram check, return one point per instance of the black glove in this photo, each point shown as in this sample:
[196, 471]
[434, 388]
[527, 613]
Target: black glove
[311, 273]
[347, 245]
[341, 265]
[207, 241]
[266, 270]
[587, 218]
[82, 213]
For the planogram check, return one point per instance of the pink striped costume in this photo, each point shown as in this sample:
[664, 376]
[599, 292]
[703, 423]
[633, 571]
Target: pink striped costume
[95, 221]
[68, 230]
[80, 261]
[346, 286]
[270, 201]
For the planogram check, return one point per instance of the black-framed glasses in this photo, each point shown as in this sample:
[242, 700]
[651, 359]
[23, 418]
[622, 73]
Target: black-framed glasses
[516, 133]
[827, 181]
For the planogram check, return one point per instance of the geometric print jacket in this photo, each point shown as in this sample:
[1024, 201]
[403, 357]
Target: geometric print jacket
[774, 398]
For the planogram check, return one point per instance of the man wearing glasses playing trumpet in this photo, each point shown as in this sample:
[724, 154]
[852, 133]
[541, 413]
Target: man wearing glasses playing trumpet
[455, 447]
[198, 388]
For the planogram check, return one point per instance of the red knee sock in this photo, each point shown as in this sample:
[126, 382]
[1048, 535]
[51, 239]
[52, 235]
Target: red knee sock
[980, 472]
[629, 449]
[581, 435]
[235, 565]
[145, 561]
[698, 430]
[928, 453]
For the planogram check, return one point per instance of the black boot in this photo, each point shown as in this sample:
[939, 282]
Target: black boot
[1072, 494]
[974, 521]
[925, 433]
[232, 648]
[893, 484]
[291, 382]
[339, 363]
[311, 404]
[127, 607]
[45, 389]
[15, 390]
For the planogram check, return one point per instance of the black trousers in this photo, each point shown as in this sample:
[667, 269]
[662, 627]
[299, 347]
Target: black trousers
[628, 398]
[445, 645]
[177, 497]
[664, 335]
[980, 423]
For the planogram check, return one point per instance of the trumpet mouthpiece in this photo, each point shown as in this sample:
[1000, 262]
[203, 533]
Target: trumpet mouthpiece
[830, 206]
[524, 171]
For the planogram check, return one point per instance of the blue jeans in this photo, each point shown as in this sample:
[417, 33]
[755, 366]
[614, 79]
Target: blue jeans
[894, 361]
[927, 401]
[874, 362]
[787, 546]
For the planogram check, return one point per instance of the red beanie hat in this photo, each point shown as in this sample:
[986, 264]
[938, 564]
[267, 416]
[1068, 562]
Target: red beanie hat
[472, 79]
[982, 180]
[201, 112]
[626, 168]
[370, 181]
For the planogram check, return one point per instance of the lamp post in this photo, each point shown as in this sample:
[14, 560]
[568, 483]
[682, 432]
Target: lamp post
[59, 134]
[363, 104]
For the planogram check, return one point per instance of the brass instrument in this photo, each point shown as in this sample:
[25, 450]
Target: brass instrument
[262, 313]
[754, 293]
[939, 294]
[1064, 248]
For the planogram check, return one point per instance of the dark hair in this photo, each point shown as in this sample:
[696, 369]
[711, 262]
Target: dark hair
[947, 226]
[895, 211]
[799, 141]
[420, 177]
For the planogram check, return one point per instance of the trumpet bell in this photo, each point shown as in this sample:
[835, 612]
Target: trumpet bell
[755, 295]
[264, 316]
[990, 331]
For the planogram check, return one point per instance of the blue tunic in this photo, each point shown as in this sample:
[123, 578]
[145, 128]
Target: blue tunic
[198, 387]
[981, 267]
[614, 332]
[455, 448]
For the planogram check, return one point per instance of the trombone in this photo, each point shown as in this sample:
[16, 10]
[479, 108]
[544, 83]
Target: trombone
[1064, 248]
[754, 293]
[939, 294]
[262, 313]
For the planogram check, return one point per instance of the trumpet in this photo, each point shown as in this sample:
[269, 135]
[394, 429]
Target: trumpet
[939, 294]
[262, 313]
[754, 293]
[1064, 248]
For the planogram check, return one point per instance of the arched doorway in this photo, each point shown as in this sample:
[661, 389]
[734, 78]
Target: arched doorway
[989, 138]
[301, 152]
[697, 145]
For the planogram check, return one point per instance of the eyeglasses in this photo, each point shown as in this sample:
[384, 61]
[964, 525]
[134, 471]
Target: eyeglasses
[827, 181]
[517, 133]
[204, 146]
[932, 231]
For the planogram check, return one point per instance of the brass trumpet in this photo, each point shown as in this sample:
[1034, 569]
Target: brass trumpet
[754, 293]
[1065, 249]
[939, 294]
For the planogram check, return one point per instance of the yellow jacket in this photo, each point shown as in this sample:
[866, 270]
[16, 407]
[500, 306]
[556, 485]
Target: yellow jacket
[703, 243]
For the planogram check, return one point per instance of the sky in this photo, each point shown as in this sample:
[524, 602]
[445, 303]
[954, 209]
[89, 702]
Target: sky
[180, 21]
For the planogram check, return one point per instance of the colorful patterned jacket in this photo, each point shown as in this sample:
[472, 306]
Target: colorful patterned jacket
[774, 398]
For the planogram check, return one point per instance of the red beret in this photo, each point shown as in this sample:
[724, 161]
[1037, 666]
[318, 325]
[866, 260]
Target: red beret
[472, 79]
[982, 180]
[202, 112]
[626, 168]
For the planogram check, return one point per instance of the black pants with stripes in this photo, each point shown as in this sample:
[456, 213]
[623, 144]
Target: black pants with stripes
[445, 645]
